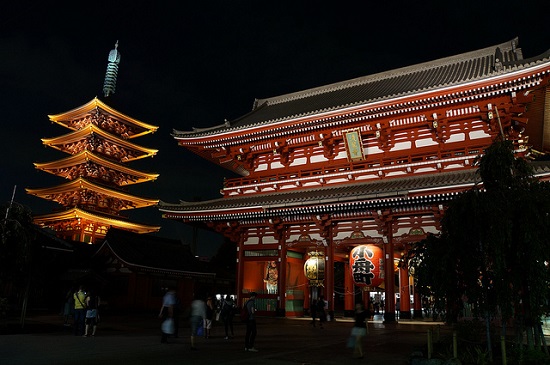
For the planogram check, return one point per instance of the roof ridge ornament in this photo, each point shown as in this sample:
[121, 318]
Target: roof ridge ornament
[498, 60]
[112, 70]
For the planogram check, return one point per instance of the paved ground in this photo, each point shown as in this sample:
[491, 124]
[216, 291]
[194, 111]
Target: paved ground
[136, 340]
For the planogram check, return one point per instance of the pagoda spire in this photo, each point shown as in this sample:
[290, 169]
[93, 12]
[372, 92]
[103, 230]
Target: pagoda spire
[112, 70]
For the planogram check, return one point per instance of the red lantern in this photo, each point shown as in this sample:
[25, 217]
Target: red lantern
[367, 265]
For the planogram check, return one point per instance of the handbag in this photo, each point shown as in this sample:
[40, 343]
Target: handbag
[168, 326]
[200, 329]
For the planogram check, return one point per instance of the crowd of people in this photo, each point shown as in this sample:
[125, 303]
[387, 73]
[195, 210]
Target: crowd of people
[84, 306]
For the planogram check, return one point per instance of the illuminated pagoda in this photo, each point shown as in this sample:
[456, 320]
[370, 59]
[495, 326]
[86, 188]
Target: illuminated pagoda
[373, 162]
[99, 146]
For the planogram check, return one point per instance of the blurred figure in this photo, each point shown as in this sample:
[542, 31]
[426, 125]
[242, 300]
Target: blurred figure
[313, 310]
[359, 330]
[198, 315]
[209, 317]
[167, 310]
[227, 314]
[321, 311]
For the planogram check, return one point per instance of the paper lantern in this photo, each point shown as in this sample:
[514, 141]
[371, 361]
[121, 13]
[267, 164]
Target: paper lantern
[367, 265]
[314, 269]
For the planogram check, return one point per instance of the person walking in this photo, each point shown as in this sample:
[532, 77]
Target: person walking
[321, 311]
[359, 330]
[68, 307]
[313, 311]
[79, 311]
[251, 329]
[92, 313]
[198, 315]
[209, 317]
[167, 312]
[227, 314]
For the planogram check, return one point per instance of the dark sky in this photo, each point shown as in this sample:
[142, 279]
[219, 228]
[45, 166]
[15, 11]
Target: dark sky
[194, 64]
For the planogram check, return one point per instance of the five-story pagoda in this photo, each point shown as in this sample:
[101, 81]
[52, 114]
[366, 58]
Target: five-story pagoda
[99, 146]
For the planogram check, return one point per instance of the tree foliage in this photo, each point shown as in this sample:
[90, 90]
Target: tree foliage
[16, 237]
[494, 247]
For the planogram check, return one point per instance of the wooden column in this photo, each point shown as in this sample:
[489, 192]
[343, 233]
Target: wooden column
[329, 274]
[240, 273]
[350, 290]
[404, 293]
[389, 278]
[281, 294]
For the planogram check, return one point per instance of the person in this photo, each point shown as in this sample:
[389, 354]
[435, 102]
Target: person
[209, 317]
[167, 310]
[251, 329]
[313, 311]
[227, 314]
[79, 310]
[398, 307]
[92, 313]
[359, 330]
[68, 307]
[321, 311]
[198, 314]
[371, 310]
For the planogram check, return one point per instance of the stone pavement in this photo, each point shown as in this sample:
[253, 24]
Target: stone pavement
[135, 339]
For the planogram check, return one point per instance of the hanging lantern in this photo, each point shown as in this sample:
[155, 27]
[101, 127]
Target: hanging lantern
[314, 268]
[367, 265]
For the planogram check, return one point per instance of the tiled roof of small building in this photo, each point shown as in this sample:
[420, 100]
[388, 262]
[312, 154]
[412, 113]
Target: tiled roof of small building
[151, 253]
[445, 72]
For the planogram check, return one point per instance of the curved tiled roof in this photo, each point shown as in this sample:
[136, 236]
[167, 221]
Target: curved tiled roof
[151, 253]
[445, 72]
[373, 190]
[378, 189]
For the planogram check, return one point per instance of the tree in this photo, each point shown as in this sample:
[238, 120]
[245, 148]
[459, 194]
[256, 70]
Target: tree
[494, 246]
[16, 237]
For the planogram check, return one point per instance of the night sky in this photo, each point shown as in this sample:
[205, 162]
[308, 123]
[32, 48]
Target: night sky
[194, 64]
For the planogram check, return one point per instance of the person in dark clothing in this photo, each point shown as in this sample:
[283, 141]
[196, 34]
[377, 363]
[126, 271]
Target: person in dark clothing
[92, 313]
[321, 311]
[227, 314]
[360, 329]
[313, 312]
[251, 329]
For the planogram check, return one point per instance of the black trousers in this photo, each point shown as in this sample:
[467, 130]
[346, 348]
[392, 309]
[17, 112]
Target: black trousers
[250, 334]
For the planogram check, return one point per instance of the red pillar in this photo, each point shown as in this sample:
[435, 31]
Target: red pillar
[389, 277]
[329, 276]
[404, 293]
[350, 290]
[281, 293]
[240, 273]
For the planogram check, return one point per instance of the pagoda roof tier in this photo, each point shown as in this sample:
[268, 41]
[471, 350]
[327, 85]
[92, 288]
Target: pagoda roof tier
[83, 192]
[103, 116]
[89, 165]
[81, 217]
[396, 192]
[400, 90]
[93, 138]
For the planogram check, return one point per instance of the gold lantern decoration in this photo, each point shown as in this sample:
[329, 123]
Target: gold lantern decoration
[314, 268]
